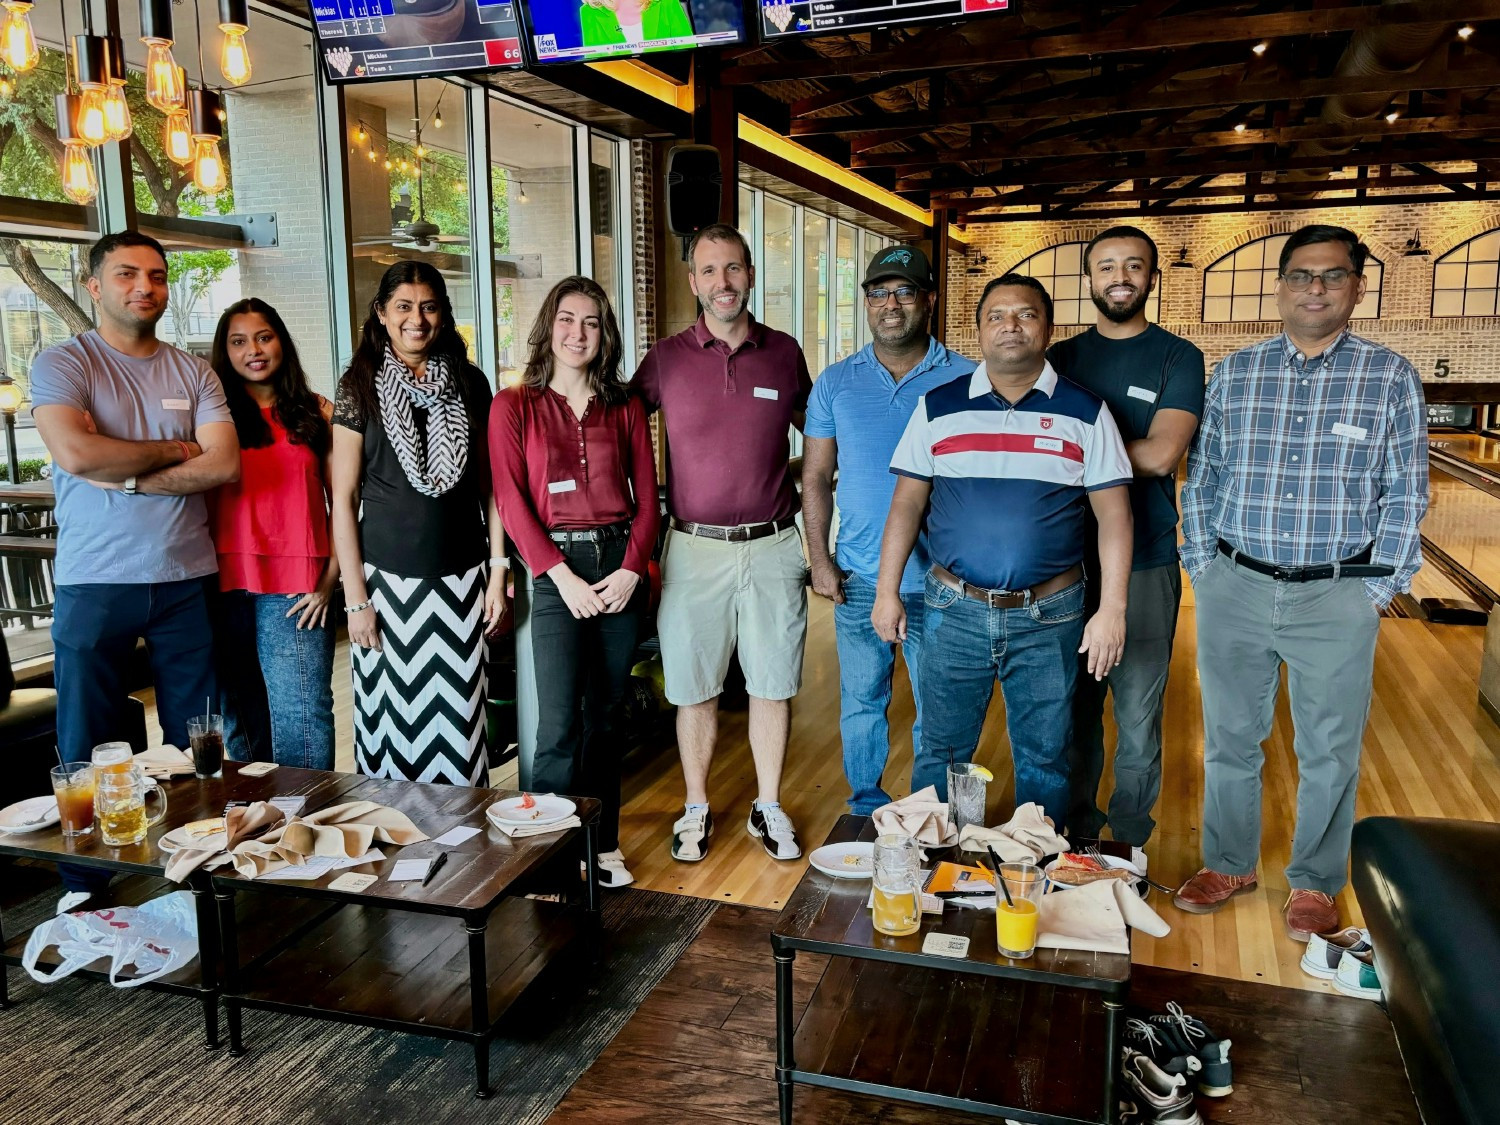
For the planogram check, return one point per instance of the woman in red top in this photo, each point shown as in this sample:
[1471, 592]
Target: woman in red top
[576, 483]
[273, 643]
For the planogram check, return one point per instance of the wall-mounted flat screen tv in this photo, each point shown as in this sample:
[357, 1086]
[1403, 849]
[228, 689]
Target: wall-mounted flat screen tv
[779, 18]
[363, 40]
[588, 30]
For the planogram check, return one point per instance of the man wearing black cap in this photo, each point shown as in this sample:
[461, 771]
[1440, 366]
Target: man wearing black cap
[855, 417]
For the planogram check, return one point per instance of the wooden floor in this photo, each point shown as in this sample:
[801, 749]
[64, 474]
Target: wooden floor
[701, 1048]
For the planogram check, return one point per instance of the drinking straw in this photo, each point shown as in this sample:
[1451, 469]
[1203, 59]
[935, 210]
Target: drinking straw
[56, 749]
[999, 879]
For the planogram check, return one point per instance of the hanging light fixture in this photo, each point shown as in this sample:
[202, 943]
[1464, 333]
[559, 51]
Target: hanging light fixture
[204, 125]
[19, 48]
[78, 180]
[176, 139]
[165, 89]
[7, 87]
[93, 79]
[234, 55]
[117, 123]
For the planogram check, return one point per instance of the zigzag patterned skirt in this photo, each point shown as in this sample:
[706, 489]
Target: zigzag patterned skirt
[419, 701]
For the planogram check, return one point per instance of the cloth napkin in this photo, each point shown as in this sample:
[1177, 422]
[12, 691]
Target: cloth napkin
[920, 815]
[1025, 838]
[519, 831]
[1093, 917]
[163, 762]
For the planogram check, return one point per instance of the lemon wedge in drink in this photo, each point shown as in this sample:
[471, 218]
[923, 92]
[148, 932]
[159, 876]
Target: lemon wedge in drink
[980, 771]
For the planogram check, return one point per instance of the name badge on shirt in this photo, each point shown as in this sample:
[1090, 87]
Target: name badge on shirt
[562, 486]
[176, 404]
[1358, 433]
[1141, 393]
[1051, 444]
[767, 392]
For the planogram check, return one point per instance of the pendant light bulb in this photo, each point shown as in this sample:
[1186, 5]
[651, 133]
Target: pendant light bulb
[117, 122]
[7, 87]
[78, 181]
[208, 166]
[176, 141]
[437, 118]
[234, 54]
[92, 127]
[165, 89]
[19, 47]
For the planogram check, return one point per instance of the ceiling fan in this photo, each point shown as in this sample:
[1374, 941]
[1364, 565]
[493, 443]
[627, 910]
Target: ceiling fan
[415, 231]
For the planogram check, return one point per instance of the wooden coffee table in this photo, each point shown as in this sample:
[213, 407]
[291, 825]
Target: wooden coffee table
[446, 959]
[1035, 1040]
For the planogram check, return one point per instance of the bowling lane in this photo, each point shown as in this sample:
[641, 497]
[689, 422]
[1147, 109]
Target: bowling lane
[1478, 450]
[1464, 523]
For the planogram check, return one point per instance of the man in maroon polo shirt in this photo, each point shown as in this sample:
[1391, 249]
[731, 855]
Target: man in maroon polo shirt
[733, 570]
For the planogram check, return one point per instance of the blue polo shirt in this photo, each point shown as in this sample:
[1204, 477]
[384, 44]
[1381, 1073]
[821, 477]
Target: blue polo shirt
[1010, 482]
[856, 402]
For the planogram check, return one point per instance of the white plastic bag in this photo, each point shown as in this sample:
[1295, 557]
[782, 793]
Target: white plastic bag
[156, 938]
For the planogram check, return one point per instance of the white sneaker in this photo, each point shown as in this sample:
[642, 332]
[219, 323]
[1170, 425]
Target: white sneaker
[72, 901]
[1356, 976]
[773, 828]
[1325, 951]
[612, 871]
[690, 835]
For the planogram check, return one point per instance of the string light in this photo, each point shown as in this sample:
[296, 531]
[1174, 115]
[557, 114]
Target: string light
[1390, 118]
[7, 87]
[360, 135]
[1260, 48]
[1240, 128]
[234, 55]
[1466, 31]
[19, 48]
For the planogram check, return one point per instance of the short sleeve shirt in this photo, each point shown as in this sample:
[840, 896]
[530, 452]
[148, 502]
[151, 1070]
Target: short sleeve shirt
[857, 402]
[1152, 371]
[1010, 481]
[105, 536]
[728, 415]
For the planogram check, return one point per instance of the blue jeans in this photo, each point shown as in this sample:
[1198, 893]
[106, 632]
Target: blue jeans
[866, 667]
[1034, 651]
[276, 681]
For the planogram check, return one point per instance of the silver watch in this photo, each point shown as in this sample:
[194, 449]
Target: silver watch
[129, 487]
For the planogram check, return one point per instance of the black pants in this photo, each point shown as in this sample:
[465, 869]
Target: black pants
[582, 671]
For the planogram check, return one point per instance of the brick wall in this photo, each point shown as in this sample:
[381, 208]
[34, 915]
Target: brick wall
[1405, 324]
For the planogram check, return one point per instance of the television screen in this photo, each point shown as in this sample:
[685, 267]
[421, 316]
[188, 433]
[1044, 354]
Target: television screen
[812, 17]
[584, 30]
[373, 39]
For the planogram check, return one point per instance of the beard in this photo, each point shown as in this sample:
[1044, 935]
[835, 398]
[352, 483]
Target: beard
[708, 306]
[1121, 314]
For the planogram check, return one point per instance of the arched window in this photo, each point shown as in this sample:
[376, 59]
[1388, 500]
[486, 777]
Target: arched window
[1060, 269]
[1464, 279]
[1241, 286]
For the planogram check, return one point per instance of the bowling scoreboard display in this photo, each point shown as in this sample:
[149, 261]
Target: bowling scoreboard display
[815, 17]
[383, 39]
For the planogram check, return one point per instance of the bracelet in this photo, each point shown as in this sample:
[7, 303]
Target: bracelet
[502, 561]
[359, 606]
[182, 447]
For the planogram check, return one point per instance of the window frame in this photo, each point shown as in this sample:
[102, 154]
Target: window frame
[1467, 263]
[1270, 295]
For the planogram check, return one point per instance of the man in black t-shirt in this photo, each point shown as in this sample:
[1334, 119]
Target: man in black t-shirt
[1153, 384]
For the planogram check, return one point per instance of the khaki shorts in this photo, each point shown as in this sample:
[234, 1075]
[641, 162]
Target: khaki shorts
[715, 595]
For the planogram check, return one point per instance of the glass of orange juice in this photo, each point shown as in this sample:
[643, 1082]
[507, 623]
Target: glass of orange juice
[1015, 928]
[898, 885]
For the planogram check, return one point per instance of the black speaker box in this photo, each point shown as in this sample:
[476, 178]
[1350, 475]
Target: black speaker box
[694, 186]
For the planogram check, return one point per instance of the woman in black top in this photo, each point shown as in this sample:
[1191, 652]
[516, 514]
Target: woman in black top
[409, 446]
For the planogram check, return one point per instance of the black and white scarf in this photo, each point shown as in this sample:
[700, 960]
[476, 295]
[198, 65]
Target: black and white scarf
[447, 445]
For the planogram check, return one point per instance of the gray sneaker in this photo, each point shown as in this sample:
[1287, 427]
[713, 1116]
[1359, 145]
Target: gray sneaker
[690, 835]
[1160, 1098]
[1216, 1080]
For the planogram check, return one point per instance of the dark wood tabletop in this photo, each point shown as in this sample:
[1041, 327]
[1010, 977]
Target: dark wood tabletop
[827, 915]
[28, 492]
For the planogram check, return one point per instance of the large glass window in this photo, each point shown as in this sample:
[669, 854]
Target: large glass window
[28, 160]
[1241, 286]
[846, 314]
[1464, 280]
[777, 275]
[815, 285]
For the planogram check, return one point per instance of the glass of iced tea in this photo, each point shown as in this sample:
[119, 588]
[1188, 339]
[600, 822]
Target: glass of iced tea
[74, 786]
[120, 807]
[206, 734]
[898, 885]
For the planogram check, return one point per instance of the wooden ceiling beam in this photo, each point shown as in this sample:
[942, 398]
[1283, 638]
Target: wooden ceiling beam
[1170, 32]
[1235, 205]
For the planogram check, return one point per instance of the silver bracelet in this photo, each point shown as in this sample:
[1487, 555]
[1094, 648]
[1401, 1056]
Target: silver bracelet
[359, 606]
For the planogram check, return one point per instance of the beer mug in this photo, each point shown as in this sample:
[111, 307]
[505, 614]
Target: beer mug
[897, 907]
[120, 806]
[112, 757]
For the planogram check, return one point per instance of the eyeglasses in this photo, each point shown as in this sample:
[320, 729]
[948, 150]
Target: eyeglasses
[1298, 280]
[905, 295]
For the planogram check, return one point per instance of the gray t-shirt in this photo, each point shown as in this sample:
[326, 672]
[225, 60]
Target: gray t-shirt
[104, 535]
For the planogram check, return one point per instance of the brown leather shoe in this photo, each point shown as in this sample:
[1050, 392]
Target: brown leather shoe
[1208, 890]
[1309, 912]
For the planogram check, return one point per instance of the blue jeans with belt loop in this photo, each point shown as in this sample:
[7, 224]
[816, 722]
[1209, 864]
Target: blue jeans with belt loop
[1033, 651]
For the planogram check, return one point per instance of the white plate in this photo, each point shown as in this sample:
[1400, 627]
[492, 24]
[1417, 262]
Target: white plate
[845, 861]
[30, 815]
[550, 808]
[1108, 861]
[177, 839]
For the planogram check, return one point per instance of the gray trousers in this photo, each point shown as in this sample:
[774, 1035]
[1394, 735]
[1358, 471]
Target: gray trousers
[1324, 632]
[1139, 686]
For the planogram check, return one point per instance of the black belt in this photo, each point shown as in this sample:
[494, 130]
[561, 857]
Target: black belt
[605, 534]
[743, 533]
[1357, 567]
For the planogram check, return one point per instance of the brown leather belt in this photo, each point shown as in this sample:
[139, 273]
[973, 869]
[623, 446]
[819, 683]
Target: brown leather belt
[1007, 599]
[741, 534]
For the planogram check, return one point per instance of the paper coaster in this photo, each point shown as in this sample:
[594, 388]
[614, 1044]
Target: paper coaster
[351, 882]
[257, 769]
[946, 945]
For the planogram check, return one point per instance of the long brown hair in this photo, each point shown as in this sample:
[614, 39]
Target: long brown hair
[604, 371]
[297, 408]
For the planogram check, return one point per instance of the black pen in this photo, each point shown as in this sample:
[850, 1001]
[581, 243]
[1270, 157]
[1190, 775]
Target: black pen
[431, 871]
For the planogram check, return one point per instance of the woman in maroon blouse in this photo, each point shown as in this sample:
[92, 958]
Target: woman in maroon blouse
[570, 450]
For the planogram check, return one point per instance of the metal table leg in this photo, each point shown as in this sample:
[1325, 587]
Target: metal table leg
[229, 942]
[785, 1063]
[1113, 1013]
[4, 970]
[479, 995]
[209, 948]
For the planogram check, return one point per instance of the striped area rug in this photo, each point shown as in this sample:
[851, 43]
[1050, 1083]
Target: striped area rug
[80, 1050]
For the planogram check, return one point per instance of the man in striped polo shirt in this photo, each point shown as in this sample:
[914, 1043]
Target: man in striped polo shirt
[1001, 464]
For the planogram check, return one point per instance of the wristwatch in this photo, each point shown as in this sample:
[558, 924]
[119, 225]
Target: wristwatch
[129, 487]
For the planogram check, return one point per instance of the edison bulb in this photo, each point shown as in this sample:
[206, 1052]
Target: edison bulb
[208, 166]
[78, 182]
[234, 56]
[176, 141]
[92, 126]
[19, 48]
[117, 123]
[165, 89]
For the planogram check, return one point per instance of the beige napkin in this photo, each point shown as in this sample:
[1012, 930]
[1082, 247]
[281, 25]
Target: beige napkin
[921, 816]
[1025, 838]
[240, 824]
[1094, 916]
[518, 831]
[163, 762]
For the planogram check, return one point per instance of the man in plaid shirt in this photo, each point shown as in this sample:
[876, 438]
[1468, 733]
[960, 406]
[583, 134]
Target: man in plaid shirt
[1306, 488]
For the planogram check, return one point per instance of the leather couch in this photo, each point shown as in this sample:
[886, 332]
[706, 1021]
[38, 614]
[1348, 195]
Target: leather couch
[1430, 893]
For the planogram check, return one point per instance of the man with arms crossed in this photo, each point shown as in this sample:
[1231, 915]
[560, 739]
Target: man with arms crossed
[138, 430]
[1152, 382]
[1001, 464]
[859, 408]
[733, 572]
[1306, 490]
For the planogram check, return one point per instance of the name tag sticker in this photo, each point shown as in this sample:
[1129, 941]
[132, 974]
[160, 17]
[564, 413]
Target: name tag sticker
[1141, 393]
[1051, 444]
[557, 486]
[1358, 433]
[767, 392]
[176, 404]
